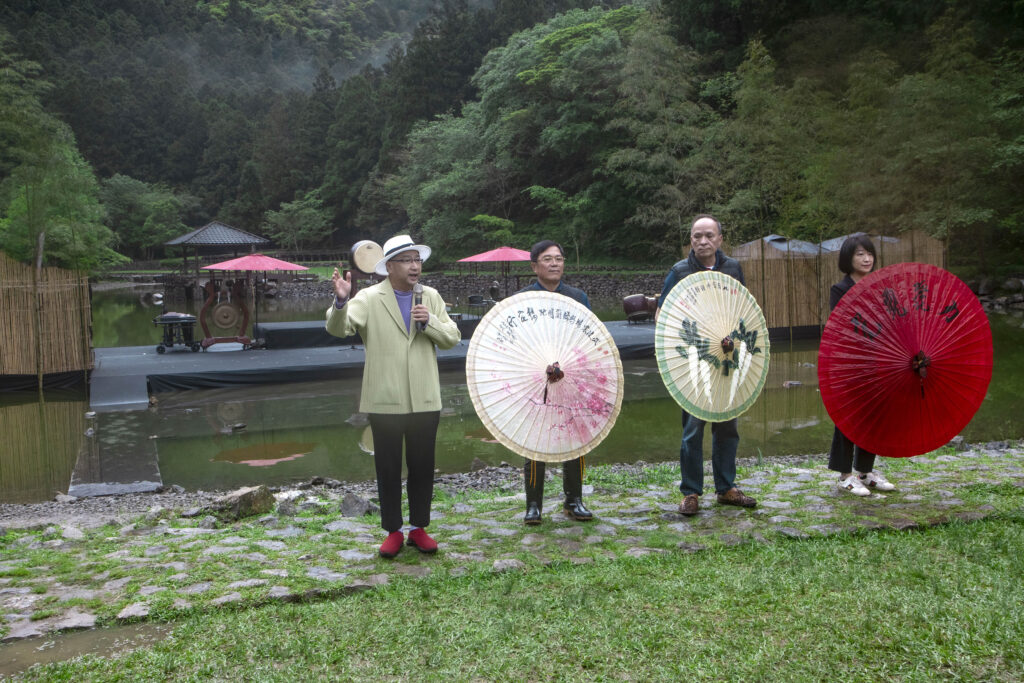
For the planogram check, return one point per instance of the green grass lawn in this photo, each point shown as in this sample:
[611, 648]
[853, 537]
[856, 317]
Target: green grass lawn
[942, 603]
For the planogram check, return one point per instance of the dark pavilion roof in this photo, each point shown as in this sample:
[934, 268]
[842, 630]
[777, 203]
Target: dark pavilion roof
[219, 234]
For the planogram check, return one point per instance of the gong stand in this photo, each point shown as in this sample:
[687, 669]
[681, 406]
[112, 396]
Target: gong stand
[219, 310]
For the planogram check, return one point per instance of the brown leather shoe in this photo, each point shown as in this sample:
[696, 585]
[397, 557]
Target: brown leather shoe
[735, 497]
[689, 505]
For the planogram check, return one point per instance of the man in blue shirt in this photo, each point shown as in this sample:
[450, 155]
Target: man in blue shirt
[548, 263]
[706, 254]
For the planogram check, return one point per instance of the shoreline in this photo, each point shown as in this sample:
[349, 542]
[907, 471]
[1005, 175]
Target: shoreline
[320, 542]
[97, 511]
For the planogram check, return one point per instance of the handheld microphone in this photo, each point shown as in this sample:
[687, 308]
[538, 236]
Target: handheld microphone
[417, 299]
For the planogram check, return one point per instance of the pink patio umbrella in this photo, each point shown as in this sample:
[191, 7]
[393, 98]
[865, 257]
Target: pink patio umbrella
[256, 263]
[503, 255]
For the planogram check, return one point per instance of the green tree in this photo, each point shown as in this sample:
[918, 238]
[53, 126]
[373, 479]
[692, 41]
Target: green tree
[49, 211]
[657, 163]
[300, 224]
[142, 216]
[445, 180]
[497, 231]
[545, 101]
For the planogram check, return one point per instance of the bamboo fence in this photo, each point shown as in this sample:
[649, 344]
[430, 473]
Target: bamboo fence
[45, 320]
[793, 290]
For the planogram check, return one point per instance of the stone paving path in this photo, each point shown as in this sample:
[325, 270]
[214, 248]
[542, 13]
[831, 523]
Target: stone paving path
[62, 577]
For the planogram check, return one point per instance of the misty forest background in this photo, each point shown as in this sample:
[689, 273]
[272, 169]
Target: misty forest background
[124, 123]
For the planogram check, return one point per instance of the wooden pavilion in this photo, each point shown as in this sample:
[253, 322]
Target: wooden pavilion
[213, 238]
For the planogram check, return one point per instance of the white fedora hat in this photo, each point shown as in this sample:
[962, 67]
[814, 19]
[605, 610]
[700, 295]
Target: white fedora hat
[395, 246]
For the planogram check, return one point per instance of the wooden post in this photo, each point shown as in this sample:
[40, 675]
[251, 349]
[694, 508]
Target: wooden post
[789, 290]
[84, 302]
[38, 317]
[764, 294]
[820, 268]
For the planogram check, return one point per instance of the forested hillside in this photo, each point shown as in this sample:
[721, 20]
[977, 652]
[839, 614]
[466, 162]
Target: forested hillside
[126, 122]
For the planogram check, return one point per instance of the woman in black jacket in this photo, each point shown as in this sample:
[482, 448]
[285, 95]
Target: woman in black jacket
[856, 259]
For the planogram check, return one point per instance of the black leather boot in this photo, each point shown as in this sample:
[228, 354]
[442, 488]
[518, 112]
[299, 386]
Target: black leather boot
[572, 485]
[533, 474]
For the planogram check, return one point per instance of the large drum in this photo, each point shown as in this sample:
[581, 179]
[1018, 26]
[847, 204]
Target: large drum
[639, 307]
[365, 255]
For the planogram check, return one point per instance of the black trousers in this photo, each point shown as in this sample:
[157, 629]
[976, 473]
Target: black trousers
[572, 478]
[418, 431]
[846, 456]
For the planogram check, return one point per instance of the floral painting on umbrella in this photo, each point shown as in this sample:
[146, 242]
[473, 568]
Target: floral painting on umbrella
[545, 376]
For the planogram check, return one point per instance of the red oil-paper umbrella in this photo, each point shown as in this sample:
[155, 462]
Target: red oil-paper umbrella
[905, 360]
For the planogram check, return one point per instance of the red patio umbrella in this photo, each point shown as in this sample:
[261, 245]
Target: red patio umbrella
[499, 254]
[504, 255]
[253, 263]
[256, 262]
[905, 360]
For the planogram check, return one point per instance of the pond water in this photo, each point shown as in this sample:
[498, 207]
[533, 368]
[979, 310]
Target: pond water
[124, 317]
[295, 431]
[59, 647]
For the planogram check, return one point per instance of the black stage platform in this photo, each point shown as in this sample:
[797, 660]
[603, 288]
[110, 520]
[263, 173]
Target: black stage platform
[313, 334]
[124, 377]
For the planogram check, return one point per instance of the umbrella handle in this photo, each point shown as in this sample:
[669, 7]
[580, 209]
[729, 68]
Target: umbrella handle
[919, 363]
[554, 374]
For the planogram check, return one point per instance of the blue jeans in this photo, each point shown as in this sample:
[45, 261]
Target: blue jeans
[724, 441]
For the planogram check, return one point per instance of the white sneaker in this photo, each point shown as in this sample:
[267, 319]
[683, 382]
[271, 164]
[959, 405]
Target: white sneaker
[853, 485]
[874, 480]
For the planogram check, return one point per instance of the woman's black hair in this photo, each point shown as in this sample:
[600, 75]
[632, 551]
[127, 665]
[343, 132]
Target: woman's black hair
[543, 246]
[850, 246]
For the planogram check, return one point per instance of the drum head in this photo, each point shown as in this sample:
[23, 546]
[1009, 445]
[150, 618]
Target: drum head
[365, 255]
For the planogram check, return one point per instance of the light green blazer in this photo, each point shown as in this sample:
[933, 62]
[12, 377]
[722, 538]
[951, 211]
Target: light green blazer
[400, 373]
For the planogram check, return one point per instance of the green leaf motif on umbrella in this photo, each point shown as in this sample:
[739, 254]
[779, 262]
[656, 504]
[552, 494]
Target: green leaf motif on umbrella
[748, 345]
[697, 351]
[691, 338]
[712, 346]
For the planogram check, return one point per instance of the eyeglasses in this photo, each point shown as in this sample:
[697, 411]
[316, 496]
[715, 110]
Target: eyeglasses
[551, 259]
[406, 261]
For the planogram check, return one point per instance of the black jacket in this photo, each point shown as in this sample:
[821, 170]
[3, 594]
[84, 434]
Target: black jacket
[691, 265]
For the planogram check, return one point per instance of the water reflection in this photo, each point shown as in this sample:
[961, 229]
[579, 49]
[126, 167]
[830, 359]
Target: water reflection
[265, 455]
[193, 430]
[41, 442]
[277, 434]
[100, 642]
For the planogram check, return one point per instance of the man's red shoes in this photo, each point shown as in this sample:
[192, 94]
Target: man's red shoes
[419, 539]
[392, 544]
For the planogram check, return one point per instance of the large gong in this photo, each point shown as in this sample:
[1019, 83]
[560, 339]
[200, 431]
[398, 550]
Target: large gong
[225, 315]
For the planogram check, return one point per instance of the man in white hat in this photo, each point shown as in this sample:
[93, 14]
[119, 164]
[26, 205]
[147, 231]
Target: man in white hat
[401, 391]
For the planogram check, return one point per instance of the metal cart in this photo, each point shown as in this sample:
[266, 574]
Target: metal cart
[178, 328]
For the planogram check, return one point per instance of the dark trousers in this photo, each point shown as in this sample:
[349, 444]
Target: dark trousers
[725, 440]
[572, 479]
[418, 431]
[846, 456]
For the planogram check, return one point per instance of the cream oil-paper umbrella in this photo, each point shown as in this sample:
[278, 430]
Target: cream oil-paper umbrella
[711, 342]
[544, 376]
